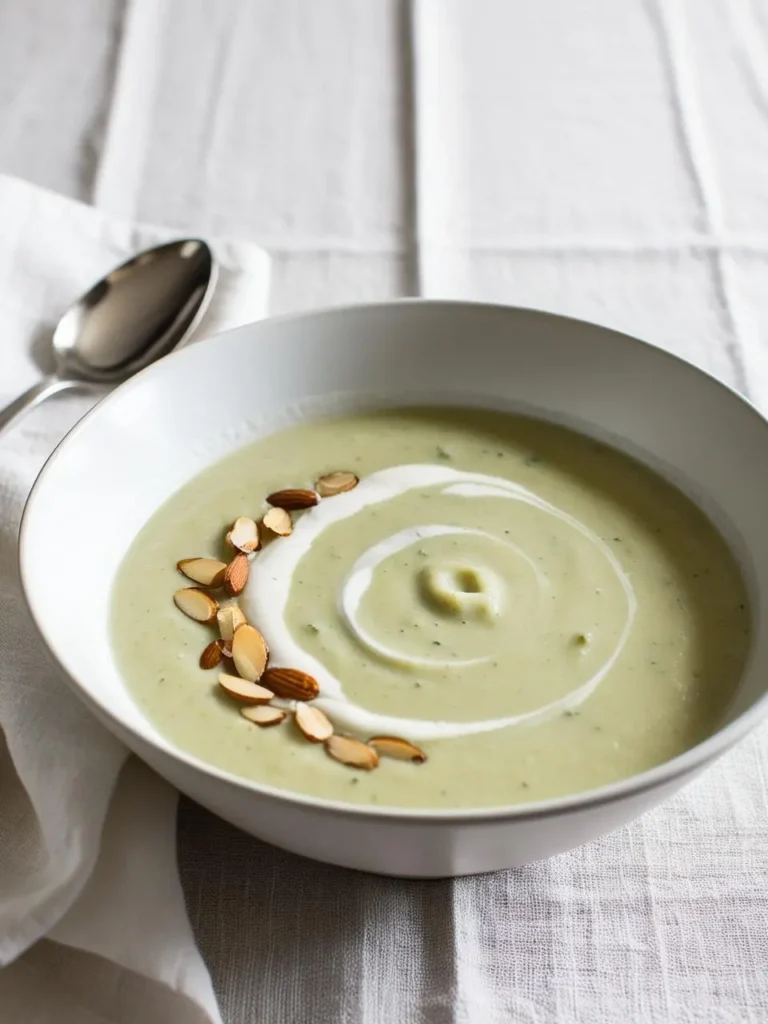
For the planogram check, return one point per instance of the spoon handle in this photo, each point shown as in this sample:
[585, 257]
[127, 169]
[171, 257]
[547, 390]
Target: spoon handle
[45, 387]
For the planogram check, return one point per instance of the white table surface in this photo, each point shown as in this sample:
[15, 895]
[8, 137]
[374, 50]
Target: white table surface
[608, 159]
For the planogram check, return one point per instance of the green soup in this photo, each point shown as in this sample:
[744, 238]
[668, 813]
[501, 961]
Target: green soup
[540, 613]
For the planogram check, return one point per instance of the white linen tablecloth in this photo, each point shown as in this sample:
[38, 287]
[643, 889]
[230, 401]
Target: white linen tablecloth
[605, 159]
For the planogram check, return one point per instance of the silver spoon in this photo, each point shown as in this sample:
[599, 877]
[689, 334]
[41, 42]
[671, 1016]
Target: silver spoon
[139, 312]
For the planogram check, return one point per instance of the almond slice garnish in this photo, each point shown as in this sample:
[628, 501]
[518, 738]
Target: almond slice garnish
[236, 575]
[263, 714]
[279, 521]
[394, 746]
[290, 683]
[293, 499]
[352, 752]
[230, 619]
[209, 572]
[211, 655]
[249, 651]
[244, 535]
[244, 690]
[196, 604]
[336, 483]
[313, 723]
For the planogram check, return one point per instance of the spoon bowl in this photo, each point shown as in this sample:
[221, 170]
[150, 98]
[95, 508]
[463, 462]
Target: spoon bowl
[139, 312]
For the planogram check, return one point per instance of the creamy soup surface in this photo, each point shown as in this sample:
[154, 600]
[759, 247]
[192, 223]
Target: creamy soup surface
[538, 612]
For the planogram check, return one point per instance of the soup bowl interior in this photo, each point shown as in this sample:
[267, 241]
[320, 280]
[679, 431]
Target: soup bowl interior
[162, 428]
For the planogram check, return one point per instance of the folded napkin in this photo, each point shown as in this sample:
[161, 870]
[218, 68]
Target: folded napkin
[92, 917]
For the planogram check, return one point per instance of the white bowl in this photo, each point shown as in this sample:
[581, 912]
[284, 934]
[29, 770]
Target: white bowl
[161, 428]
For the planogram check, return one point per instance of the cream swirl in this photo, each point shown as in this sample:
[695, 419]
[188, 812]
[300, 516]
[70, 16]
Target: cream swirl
[361, 576]
[268, 591]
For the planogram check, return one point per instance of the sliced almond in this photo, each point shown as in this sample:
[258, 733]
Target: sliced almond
[313, 723]
[236, 575]
[394, 746]
[293, 499]
[211, 656]
[244, 690]
[352, 752]
[196, 604]
[244, 535]
[336, 483]
[290, 683]
[209, 572]
[279, 521]
[263, 714]
[230, 619]
[249, 651]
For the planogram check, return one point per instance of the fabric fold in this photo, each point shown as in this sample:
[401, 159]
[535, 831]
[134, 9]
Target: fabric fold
[90, 900]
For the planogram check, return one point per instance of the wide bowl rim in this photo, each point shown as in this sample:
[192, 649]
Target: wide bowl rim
[686, 763]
